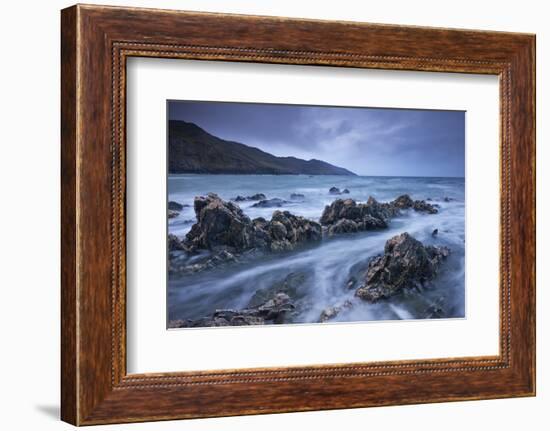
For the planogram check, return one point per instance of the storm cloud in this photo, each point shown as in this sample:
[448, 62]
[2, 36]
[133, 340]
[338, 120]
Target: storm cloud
[367, 141]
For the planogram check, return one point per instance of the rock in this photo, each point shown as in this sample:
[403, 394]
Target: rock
[330, 313]
[175, 206]
[290, 285]
[435, 232]
[220, 223]
[345, 192]
[193, 263]
[447, 199]
[174, 243]
[334, 191]
[343, 226]
[287, 230]
[173, 214]
[351, 283]
[422, 206]
[275, 310]
[405, 202]
[297, 196]
[436, 310]
[256, 197]
[405, 264]
[344, 216]
[270, 203]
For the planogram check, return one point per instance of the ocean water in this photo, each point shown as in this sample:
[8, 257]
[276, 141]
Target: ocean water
[325, 267]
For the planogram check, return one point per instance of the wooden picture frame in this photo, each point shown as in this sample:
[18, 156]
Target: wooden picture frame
[95, 43]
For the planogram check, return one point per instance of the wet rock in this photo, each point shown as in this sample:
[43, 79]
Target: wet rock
[289, 285]
[345, 192]
[422, 206]
[286, 231]
[220, 223]
[343, 226]
[447, 199]
[275, 310]
[175, 206]
[334, 191]
[405, 202]
[255, 197]
[346, 215]
[405, 264]
[297, 196]
[193, 263]
[330, 313]
[351, 283]
[435, 232]
[173, 214]
[174, 243]
[270, 203]
[436, 310]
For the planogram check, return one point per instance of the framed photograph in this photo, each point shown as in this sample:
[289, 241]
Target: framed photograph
[264, 215]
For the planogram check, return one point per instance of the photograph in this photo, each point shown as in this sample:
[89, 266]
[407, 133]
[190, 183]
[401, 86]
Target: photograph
[288, 214]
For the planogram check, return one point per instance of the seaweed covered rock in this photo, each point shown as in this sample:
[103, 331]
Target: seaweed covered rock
[405, 264]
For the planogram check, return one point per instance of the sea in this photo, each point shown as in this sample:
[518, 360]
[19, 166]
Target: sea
[327, 266]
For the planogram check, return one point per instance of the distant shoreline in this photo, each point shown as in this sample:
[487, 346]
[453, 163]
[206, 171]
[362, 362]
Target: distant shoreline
[311, 175]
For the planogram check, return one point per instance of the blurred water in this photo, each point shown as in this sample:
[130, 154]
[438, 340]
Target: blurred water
[326, 266]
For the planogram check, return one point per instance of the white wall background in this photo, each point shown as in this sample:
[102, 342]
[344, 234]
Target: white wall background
[29, 216]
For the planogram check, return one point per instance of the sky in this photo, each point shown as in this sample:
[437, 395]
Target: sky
[367, 141]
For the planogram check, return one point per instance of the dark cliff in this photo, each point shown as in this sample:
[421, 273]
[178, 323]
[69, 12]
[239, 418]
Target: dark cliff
[193, 150]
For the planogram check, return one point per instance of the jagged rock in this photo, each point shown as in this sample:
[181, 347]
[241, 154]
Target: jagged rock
[405, 202]
[447, 199]
[174, 243]
[367, 216]
[290, 286]
[220, 223]
[189, 263]
[274, 310]
[296, 196]
[405, 264]
[270, 203]
[344, 216]
[175, 206]
[287, 230]
[435, 232]
[343, 226]
[256, 197]
[345, 192]
[330, 313]
[173, 214]
[435, 310]
[334, 191]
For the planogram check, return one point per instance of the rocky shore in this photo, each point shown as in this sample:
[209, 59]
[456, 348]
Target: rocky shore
[224, 235]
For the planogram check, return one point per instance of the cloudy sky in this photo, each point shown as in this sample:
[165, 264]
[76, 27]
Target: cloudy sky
[367, 141]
